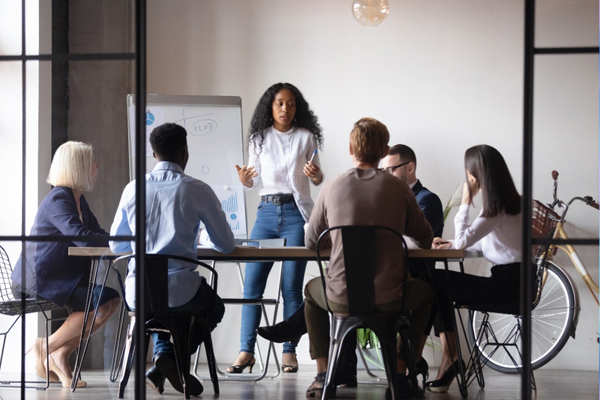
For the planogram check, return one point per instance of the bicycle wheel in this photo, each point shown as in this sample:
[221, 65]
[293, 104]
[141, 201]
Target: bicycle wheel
[551, 323]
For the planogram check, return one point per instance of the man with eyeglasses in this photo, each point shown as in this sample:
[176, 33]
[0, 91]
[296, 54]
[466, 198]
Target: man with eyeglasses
[402, 163]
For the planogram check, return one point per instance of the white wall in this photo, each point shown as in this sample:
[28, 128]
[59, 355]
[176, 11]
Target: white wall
[442, 75]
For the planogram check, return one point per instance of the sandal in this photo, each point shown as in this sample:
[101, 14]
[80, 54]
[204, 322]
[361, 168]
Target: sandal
[238, 369]
[290, 367]
[316, 388]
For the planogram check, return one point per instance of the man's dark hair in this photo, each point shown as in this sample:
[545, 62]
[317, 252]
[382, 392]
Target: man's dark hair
[168, 140]
[405, 153]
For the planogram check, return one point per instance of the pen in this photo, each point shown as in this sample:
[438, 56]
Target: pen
[313, 155]
[442, 242]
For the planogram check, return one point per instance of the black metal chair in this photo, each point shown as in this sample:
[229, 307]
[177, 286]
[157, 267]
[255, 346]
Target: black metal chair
[360, 246]
[485, 341]
[485, 337]
[159, 318]
[14, 307]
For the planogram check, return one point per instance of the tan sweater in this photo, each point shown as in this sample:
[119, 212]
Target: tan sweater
[368, 197]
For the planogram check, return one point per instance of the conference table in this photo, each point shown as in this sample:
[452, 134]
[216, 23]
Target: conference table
[239, 254]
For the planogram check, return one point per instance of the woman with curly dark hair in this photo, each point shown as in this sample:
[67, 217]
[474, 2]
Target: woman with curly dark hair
[284, 138]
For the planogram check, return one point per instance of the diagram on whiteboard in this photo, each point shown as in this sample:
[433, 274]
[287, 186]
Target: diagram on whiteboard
[231, 198]
[215, 144]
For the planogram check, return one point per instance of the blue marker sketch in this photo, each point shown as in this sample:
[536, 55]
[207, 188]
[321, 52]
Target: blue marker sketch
[204, 127]
[149, 118]
[233, 216]
[199, 126]
[230, 205]
[205, 169]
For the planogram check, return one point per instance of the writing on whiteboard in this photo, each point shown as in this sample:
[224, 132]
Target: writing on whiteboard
[204, 127]
[198, 125]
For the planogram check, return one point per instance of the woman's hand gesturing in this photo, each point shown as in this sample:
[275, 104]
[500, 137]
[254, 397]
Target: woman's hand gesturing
[246, 174]
[313, 171]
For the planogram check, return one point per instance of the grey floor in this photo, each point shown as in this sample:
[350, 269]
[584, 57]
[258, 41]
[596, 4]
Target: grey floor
[552, 384]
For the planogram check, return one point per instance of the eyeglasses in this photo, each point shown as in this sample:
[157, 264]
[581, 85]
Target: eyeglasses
[390, 170]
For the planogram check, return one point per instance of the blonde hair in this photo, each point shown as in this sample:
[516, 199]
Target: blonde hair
[72, 166]
[369, 139]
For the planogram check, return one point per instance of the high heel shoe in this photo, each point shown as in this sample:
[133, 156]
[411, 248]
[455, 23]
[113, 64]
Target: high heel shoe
[40, 370]
[66, 382]
[422, 368]
[441, 385]
[290, 368]
[238, 369]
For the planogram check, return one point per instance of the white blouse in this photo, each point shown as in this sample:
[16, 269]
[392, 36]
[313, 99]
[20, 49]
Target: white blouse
[498, 238]
[280, 162]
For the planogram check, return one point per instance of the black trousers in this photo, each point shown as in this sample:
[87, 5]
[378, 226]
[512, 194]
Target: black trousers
[503, 286]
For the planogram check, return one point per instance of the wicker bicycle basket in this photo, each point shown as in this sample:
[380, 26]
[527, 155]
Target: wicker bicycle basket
[543, 223]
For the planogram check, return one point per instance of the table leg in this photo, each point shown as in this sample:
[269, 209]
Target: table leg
[82, 349]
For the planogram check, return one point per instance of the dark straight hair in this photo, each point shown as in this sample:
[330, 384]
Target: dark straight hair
[499, 193]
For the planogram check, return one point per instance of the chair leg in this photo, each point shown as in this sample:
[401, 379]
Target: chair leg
[388, 350]
[409, 355]
[210, 357]
[118, 349]
[180, 332]
[461, 376]
[128, 354]
[339, 328]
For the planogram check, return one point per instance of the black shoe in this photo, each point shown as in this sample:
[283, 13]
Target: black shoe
[155, 380]
[405, 388]
[279, 333]
[165, 363]
[238, 369]
[443, 384]
[422, 368]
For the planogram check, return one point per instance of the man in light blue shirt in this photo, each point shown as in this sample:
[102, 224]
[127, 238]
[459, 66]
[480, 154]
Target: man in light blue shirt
[176, 204]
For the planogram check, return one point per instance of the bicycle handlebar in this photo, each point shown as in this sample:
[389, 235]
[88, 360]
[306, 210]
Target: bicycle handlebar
[588, 200]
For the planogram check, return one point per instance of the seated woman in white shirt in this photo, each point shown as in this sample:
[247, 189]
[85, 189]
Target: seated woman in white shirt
[497, 233]
[284, 138]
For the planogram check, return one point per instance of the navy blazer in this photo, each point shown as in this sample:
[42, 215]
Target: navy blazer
[51, 273]
[432, 208]
[434, 214]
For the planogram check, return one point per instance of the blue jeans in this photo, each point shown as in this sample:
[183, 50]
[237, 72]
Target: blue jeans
[272, 222]
[201, 302]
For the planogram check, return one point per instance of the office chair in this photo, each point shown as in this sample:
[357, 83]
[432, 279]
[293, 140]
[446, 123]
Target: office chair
[14, 307]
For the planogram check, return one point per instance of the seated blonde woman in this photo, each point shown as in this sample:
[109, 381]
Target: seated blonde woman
[50, 272]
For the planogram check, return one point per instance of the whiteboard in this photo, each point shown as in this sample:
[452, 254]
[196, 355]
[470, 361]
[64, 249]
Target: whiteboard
[215, 144]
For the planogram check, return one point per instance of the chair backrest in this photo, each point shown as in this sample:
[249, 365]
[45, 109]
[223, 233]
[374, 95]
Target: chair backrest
[360, 247]
[264, 243]
[156, 286]
[5, 276]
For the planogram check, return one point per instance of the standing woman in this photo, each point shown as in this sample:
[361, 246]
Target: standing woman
[496, 232]
[50, 272]
[284, 138]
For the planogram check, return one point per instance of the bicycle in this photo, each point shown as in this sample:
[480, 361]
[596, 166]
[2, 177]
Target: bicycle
[556, 313]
